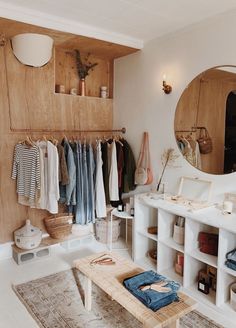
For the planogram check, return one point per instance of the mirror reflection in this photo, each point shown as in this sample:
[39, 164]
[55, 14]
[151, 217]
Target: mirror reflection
[205, 121]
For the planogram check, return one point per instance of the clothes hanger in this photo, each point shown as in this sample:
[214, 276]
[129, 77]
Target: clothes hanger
[118, 140]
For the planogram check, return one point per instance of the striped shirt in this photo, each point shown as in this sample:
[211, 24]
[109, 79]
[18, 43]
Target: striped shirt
[26, 168]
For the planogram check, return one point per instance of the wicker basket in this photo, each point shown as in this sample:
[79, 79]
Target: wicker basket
[103, 227]
[60, 232]
[59, 226]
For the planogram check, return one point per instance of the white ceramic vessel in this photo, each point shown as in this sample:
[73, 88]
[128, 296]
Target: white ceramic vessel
[28, 237]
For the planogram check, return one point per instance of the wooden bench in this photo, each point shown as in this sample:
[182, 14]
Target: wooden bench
[110, 277]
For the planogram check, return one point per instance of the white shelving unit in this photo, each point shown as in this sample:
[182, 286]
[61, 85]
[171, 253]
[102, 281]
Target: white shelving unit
[150, 210]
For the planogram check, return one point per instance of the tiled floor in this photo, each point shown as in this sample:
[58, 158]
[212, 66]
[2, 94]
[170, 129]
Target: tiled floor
[12, 313]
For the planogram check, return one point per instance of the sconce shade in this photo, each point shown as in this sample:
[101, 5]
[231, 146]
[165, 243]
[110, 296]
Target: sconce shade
[32, 49]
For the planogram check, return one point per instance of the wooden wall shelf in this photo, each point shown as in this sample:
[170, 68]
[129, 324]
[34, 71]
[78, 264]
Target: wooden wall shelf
[85, 97]
[66, 73]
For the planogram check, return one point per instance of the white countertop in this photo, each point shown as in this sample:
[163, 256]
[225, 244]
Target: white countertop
[212, 215]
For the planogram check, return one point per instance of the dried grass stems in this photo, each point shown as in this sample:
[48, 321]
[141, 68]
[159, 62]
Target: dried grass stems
[167, 159]
[83, 67]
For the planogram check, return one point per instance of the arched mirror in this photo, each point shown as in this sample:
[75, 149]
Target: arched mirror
[205, 121]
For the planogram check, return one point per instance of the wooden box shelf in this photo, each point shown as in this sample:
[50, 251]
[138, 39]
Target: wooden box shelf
[66, 73]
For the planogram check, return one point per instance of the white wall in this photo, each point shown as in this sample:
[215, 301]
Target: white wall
[140, 103]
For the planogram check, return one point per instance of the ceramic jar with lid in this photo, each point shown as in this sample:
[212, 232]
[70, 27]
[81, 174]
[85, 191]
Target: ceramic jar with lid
[28, 237]
[104, 92]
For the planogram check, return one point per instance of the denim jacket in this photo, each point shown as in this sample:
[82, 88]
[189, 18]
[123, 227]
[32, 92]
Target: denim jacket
[151, 298]
[68, 192]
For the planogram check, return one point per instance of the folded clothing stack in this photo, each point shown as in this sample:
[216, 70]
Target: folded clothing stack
[152, 289]
[231, 259]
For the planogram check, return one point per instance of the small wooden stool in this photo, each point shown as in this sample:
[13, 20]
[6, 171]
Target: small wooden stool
[110, 279]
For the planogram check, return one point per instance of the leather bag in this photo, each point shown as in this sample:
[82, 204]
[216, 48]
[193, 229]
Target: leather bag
[208, 243]
[205, 142]
[143, 172]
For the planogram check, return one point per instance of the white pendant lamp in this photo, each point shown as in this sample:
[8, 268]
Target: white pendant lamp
[32, 49]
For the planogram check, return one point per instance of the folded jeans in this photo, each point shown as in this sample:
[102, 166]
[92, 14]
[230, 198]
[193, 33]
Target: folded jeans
[150, 297]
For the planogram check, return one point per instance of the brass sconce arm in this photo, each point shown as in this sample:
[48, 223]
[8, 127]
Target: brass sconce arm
[166, 87]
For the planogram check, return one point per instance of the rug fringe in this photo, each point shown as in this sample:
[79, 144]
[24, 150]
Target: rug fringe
[14, 287]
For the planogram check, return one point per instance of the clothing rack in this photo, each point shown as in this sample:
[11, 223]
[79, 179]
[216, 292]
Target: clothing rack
[122, 130]
[193, 129]
[177, 131]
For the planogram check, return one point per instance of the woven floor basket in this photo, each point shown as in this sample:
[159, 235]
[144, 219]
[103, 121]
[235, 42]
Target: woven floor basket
[59, 226]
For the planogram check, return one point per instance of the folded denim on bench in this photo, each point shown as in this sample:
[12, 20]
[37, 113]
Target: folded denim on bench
[151, 298]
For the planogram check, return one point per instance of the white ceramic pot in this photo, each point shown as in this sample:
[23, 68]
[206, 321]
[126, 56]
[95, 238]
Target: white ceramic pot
[28, 237]
[178, 235]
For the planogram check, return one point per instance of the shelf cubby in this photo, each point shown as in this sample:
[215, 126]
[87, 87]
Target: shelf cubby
[166, 258]
[193, 228]
[166, 222]
[147, 235]
[191, 269]
[142, 240]
[227, 242]
[223, 286]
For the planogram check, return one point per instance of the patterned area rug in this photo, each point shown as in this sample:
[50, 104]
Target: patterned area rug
[56, 301]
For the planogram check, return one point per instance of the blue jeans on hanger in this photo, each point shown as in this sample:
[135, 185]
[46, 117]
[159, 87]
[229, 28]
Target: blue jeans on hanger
[152, 299]
[79, 208]
[85, 184]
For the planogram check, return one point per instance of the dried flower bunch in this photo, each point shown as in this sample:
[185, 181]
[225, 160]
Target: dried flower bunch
[83, 68]
[168, 158]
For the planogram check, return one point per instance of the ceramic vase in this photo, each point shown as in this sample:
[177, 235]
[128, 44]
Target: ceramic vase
[82, 87]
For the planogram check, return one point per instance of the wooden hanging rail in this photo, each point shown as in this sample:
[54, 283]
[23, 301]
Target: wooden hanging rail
[185, 131]
[122, 130]
[193, 129]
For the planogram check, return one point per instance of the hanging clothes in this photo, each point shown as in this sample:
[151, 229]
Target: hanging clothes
[105, 169]
[26, 169]
[53, 178]
[129, 168]
[79, 208]
[41, 168]
[68, 192]
[63, 172]
[190, 150]
[49, 195]
[100, 199]
[113, 176]
[44, 174]
[85, 183]
[197, 159]
[91, 193]
[120, 164]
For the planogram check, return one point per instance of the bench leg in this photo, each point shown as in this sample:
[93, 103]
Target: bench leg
[173, 325]
[88, 294]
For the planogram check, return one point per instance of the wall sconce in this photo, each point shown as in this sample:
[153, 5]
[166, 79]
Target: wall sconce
[166, 87]
[32, 49]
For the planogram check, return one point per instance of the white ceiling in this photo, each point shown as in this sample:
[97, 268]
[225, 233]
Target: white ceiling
[140, 20]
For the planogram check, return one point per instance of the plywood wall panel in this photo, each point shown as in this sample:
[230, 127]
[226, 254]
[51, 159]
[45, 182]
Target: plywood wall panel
[28, 101]
[92, 111]
[186, 111]
[211, 113]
